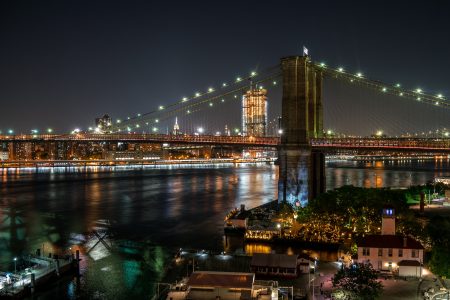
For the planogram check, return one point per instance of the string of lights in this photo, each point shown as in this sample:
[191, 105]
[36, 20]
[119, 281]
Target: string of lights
[392, 89]
[187, 106]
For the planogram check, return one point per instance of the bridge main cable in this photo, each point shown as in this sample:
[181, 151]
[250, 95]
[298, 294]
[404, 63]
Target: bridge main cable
[186, 104]
[392, 89]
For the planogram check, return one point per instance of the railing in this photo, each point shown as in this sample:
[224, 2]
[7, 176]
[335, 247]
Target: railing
[407, 144]
[134, 137]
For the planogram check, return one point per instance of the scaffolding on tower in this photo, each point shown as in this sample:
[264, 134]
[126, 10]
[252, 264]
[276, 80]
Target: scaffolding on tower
[254, 112]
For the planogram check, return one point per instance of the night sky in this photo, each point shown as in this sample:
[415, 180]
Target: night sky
[63, 64]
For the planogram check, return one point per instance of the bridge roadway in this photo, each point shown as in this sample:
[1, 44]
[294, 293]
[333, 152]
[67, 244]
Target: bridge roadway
[440, 145]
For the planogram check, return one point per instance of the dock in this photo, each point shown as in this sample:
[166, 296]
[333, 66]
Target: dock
[41, 271]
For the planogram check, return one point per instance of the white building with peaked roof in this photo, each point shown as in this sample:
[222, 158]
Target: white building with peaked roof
[390, 252]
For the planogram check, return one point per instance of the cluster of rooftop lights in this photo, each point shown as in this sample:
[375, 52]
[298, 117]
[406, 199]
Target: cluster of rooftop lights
[385, 89]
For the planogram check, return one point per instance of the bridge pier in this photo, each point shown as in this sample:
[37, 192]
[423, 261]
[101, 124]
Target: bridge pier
[301, 171]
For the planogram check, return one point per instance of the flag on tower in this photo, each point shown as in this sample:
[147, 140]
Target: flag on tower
[305, 51]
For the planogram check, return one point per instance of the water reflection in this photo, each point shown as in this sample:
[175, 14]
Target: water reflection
[163, 209]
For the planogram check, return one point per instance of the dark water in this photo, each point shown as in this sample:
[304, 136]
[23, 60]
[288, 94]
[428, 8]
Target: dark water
[162, 208]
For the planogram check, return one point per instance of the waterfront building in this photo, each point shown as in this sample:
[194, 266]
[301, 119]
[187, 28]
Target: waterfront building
[225, 286]
[4, 155]
[282, 265]
[390, 252]
[254, 112]
[132, 155]
[23, 151]
[237, 219]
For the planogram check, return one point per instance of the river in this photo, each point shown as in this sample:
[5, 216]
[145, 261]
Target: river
[165, 208]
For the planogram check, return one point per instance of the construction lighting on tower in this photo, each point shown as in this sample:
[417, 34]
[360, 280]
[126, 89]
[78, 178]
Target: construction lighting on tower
[254, 112]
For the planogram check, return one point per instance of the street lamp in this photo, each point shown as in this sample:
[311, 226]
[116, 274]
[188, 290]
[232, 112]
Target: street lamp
[200, 130]
[15, 264]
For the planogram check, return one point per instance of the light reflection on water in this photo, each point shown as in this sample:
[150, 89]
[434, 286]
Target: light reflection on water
[163, 208]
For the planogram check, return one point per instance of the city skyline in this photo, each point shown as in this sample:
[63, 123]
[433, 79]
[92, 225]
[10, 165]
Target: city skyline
[68, 64]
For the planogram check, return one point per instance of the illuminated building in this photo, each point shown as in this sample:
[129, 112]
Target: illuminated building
[4, 155]
[176, 127]
[23, 151]
[104, 123]
[254, 112]
[227, 131]
[391, 252]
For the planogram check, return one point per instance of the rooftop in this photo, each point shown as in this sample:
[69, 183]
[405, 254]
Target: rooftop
[221, 279]
[389, 241]
[274, 260]
[409, 263]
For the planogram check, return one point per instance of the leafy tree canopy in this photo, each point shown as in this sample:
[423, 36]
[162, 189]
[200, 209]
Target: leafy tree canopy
[359, 281]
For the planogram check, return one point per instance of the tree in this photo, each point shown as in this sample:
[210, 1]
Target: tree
[359, 281]
[438, 230]
[440, 261]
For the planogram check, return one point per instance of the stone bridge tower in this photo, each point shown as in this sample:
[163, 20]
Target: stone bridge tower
[302, 170]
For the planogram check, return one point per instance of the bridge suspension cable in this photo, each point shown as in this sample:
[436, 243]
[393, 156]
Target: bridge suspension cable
[190, 105]
[392, 89]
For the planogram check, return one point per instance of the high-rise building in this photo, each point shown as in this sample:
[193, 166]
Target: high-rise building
[104, 124]
[176, 127]
[227, 131]
[254, 112]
